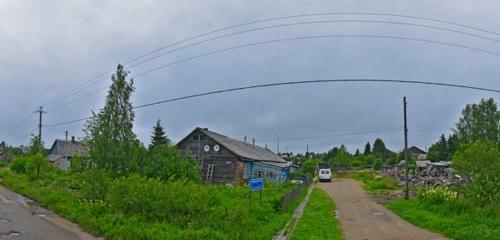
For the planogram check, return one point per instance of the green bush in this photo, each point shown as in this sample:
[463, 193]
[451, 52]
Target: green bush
[18, 165]
[93, 184]
[378, 164]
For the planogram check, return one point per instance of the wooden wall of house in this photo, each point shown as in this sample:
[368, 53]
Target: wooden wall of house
[227, 167]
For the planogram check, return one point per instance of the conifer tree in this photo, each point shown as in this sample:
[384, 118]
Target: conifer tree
[159, 138]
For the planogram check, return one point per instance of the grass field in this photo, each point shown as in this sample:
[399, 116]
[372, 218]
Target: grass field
[372, 181]
[467, 223]
[139, 208]
[318, 221]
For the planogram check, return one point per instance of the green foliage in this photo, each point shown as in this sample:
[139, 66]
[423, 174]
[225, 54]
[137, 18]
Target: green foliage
[479, 164]
[113, 144]
[134, 207]
[456, 217]
[378, 164]
[373, 182]
[165, 162]
[443, 149]
[341, 157]
[479, 122]
[94, 184]
[368, 149]
[36, 146]
[309, 166]
[36, 165]
[80, 164]
[318, 221]
[159, 138]
[18, 165]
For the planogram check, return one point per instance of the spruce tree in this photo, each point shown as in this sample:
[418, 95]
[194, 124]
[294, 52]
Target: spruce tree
[368, 149]
[159, 138]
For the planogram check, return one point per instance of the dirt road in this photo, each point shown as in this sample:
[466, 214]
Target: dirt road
[20, 218]
[362, 218]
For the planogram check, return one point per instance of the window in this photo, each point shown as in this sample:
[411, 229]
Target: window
[195, 137]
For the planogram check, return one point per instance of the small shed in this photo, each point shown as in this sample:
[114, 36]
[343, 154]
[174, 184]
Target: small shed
[226, 160]
[62, 152]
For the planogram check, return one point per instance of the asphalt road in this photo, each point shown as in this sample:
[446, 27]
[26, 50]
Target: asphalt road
[362, 218]
[21, 218]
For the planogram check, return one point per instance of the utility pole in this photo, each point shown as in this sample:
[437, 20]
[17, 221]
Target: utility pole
[407, 192]
[40, 112]
[278, 147]
[66, 135]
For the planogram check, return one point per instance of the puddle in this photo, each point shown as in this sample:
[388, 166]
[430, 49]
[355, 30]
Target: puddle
[378, 214]
[3, 220]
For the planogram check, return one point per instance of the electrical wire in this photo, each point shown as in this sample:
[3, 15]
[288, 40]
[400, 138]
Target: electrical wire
[24, 136]
[293, 39]
[281, 18]
[355, 80]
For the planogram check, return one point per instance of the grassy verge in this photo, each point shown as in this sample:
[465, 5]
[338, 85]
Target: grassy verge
[138, 208]
[465, 224]
[318, 221]
[372, 181]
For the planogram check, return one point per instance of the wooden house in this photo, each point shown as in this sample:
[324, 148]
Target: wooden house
[62, 152]
[226, 160]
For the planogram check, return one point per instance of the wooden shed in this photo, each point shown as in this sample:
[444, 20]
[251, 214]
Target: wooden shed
[226, 160]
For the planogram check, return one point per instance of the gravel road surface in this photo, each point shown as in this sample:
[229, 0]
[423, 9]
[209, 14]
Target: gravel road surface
[362, 218]
[21, 218]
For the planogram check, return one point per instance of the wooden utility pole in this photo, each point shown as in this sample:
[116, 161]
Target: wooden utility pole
[406, 189]
[40, 111]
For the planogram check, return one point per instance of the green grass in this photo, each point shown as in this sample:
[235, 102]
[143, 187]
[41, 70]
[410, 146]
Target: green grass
[139, 208]
[372, 181]
[318, 221]
[455, 222]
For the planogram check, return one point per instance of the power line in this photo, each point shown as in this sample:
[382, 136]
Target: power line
[24, 136]
[103, 76]
[291, 17]
[355, 80]
[295, 39]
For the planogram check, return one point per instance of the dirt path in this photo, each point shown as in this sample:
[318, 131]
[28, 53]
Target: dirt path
[362, 218]
[21, 218]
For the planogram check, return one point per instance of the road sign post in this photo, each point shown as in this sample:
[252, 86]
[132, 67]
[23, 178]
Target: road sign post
[256, 184]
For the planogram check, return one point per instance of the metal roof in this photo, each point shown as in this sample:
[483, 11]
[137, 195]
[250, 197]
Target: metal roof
[246, 151]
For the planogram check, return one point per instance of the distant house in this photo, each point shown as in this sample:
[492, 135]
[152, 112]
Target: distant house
[226, 160]
[417, 153]
[62, 152]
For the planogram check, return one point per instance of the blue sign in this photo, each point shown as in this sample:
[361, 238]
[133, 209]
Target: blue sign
[256, 184]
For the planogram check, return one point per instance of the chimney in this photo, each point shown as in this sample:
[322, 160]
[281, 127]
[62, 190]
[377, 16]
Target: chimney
[72, 139]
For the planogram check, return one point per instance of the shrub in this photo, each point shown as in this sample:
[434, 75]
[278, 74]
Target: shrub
[94, 184]
[378, 164]
[18, 165]
[479, 164]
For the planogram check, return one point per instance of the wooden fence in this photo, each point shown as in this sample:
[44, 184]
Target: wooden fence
[287, 199]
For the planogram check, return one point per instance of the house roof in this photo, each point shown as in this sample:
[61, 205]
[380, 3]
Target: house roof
[416, 150]
[69, 148]
[413, 150]
[242, 149]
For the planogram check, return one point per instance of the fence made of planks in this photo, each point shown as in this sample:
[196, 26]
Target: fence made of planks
[287, 199]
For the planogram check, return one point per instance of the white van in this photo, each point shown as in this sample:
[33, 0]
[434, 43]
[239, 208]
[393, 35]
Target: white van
[325, 175]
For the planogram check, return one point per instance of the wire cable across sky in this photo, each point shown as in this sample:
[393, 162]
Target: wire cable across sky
[99, 76]
[316, 81]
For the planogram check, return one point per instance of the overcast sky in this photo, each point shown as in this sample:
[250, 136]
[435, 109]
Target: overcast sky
[48, 48]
